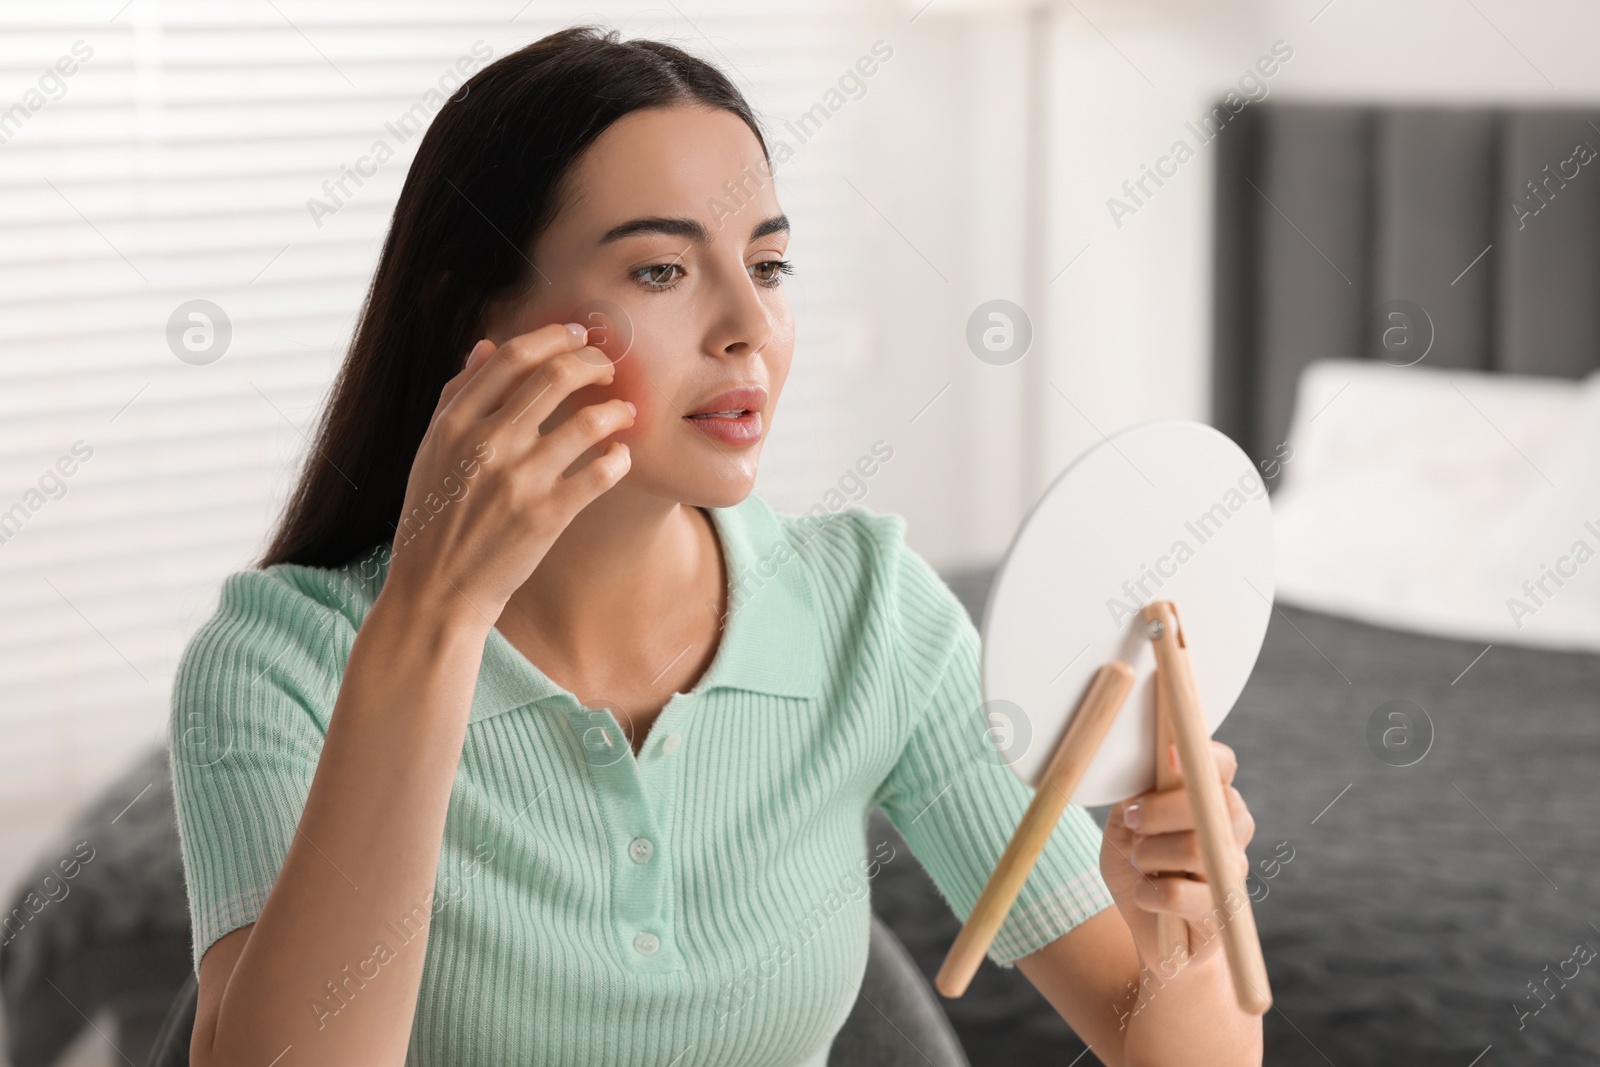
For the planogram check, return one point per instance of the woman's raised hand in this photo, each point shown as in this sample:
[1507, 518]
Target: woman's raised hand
[488, 494]
[486, 498]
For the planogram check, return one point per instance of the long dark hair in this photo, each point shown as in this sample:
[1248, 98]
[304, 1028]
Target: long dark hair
[485, 183]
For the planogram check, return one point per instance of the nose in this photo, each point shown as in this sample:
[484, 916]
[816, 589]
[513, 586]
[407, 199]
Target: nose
[744, 325]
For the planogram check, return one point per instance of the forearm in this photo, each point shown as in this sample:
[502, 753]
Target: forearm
[365, 855]
[1190, 1018]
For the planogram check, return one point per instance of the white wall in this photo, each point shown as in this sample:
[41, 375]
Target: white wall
[1120, 335]
[1128, 338]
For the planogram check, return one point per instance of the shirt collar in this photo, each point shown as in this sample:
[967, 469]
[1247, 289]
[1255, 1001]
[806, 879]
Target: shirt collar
[770, 641]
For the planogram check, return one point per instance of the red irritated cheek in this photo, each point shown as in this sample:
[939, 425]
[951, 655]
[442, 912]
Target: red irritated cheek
[611, 332]
[631, 384]
[613, 335]
[627, 384]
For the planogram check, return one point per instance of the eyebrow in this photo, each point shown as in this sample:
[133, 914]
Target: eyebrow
[685, 227]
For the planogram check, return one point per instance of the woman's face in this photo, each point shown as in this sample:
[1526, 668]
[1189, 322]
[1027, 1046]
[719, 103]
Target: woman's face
[671, 251]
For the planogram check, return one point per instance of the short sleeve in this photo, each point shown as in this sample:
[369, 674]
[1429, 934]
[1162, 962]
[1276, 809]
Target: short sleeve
[250, 705]
[951, 796]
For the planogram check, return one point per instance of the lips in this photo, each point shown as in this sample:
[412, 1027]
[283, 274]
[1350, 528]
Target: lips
[732, 404]
[732, 418]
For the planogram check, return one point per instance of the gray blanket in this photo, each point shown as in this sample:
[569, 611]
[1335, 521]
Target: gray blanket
[99, 924]
[1418, 907]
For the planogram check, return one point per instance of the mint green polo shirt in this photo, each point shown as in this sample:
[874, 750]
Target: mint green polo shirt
[706, 902]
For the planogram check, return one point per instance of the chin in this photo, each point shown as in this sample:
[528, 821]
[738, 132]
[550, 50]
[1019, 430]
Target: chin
[721, 489]
[723, 494]
[696, 476]
[690, 480]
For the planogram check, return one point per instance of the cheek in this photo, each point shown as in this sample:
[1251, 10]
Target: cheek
[611, 330]
[610, 326]
[633, 385]
[779, 354]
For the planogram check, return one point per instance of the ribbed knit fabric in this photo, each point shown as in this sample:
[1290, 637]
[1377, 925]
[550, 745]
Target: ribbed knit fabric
[706, 902]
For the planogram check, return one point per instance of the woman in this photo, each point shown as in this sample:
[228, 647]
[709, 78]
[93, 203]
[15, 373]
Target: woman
[537, 738]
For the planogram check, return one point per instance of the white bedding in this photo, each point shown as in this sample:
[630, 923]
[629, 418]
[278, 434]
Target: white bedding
[1459, 503]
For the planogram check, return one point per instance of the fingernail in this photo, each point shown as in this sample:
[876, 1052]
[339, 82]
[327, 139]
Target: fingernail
[477, 350]
[1131, 817]
[578, 331]
[631, 409]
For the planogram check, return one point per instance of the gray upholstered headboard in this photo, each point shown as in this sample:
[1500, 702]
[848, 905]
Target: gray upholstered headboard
[1326, 212]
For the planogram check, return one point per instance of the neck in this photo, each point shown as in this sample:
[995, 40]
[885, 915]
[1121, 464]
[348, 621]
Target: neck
[622, 570]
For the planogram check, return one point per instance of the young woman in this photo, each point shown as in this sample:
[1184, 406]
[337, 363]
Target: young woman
[536, 737]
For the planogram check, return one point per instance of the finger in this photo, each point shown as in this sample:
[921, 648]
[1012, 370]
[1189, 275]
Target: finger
[574, 492]
[1166, 852]
[487, 388]
[480, 352]
[587, 427]
[533, 401]
[1116, 830]
[1178, 852]
[1174, 895]
[1227, 761]
[1169, 811]
[1244, 823]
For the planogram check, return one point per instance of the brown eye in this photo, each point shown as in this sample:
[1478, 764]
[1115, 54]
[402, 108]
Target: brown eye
[654, 280]
[771, 271]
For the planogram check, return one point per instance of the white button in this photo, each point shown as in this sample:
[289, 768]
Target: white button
[646, 943]
[640, 849]
[670, 745]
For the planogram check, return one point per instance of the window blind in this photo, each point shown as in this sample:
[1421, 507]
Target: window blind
[158, 154]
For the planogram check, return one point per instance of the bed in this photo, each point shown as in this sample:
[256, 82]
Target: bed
[1419, 900]
[1442, 886]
